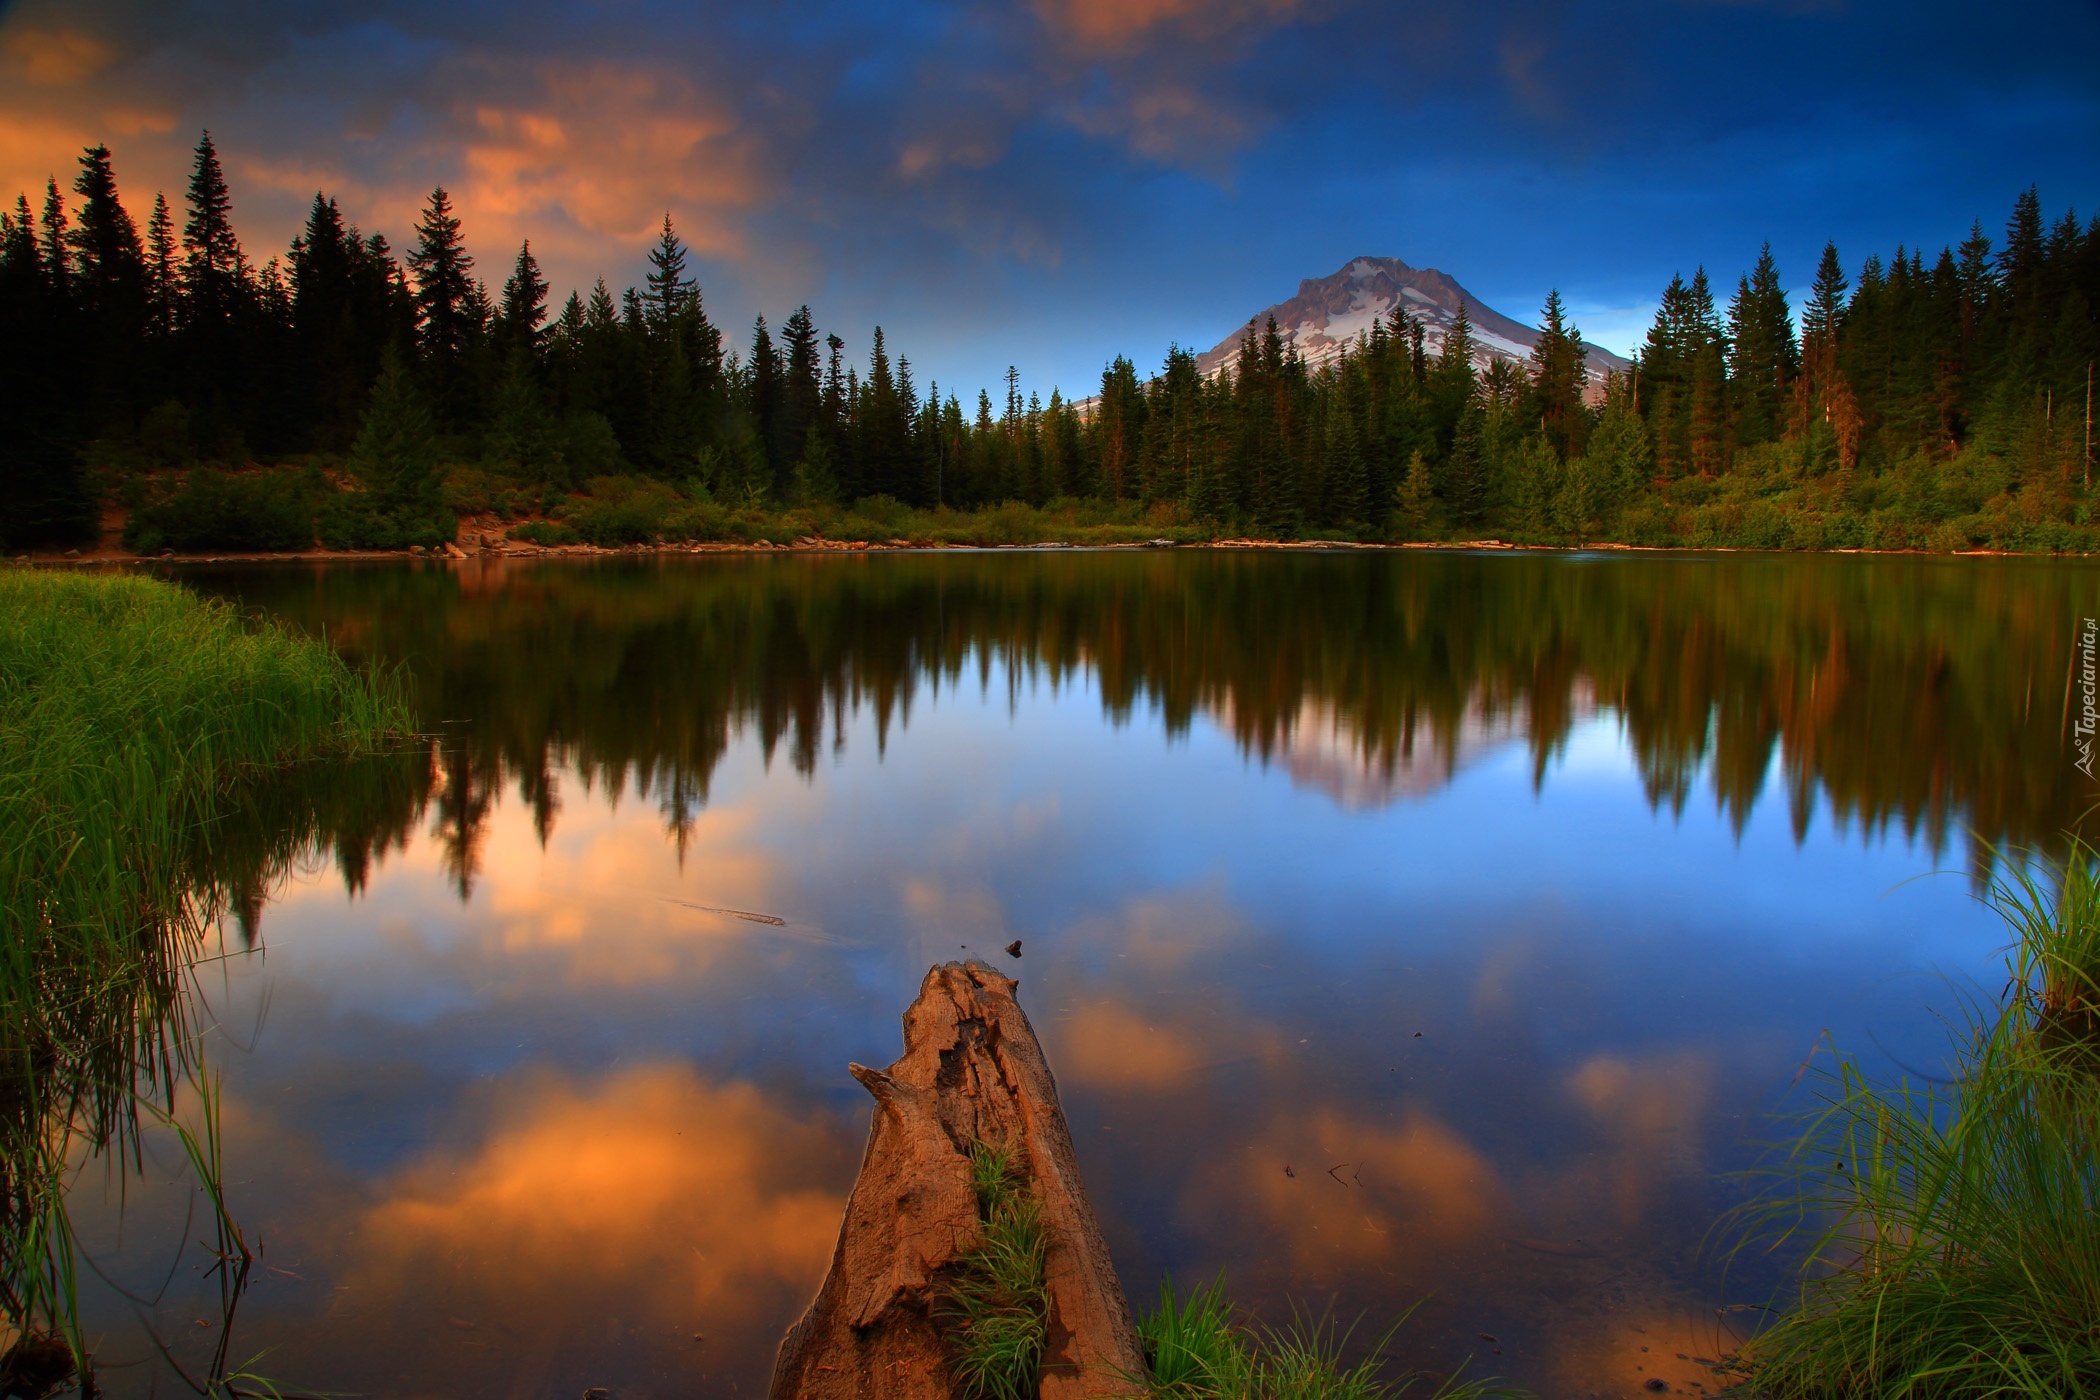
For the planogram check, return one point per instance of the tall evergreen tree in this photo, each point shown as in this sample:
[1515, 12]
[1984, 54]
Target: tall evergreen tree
[1763, 354]
[213, 266]
[1559, 376]
[163, 268]
[524, 309]
[445, 303]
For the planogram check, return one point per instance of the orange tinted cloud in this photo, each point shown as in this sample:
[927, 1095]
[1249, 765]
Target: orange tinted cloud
[1652, 1112]
[53, 57]
[1110, 24]
[1111, 1047]
[610, 148]
[680, 1199]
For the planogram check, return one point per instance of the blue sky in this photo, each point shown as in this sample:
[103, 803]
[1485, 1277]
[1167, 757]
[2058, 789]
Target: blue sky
[1052, 182]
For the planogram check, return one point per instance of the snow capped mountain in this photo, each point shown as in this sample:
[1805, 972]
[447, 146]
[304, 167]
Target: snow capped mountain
[1330, 312]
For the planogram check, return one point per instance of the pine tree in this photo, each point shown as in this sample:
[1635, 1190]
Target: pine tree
[522, 433]
[1621, 453]
[163, 274]
[1468, 469]
[763, 385]
[444, 287]
[110, 263]
[1821, 318]
[1763, 354]
[1414, 496]
[213, 266]
[669, 287]
[524, 309]
[802, 389]
[1538, 480]
[395, 455]
[54, 246]
[1559, 376]
[1348, 490]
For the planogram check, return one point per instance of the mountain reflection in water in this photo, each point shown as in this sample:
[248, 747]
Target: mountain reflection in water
[500, 1096]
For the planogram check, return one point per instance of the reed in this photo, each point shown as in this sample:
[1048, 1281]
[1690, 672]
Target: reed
[132, 715]
[996, 1307]
[1196, 1350]
[1952, 1245]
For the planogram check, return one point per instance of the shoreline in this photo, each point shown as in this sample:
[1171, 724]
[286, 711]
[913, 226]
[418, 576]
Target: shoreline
[521, 549]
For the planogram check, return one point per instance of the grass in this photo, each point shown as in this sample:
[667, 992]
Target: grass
[1194, 1350]
[1952, 1240]
[996, 1308]
[131, 712]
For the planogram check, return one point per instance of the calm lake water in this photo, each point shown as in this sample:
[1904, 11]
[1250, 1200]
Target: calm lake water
[1400, 926]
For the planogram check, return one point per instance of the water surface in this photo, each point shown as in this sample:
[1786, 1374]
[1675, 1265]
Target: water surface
[1400, 926]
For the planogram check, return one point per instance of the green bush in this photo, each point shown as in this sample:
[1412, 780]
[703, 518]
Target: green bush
[544, 532]
[213, 509]
[354, 520]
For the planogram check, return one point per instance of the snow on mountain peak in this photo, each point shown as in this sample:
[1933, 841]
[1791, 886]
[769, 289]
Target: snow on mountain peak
[1330, 312]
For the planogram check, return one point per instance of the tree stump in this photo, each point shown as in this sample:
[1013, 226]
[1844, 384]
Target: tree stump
[972, 1071]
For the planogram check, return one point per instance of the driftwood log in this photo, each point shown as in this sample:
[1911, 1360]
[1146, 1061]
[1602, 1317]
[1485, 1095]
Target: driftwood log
[972, 1071]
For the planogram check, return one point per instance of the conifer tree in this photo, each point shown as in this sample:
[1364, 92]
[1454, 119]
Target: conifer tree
[55, 245]
[395, 454]
[524, 309]
[1559, 375]
[1414, 496]
[1468, 469]
[669, 287]
[1621, 453]
[1822, 316]
[163, 273]
[107, 255]
[768, 410]
[213, 266]
[1348, 489]
[802, 389]
[444, 287]
[1538, 482]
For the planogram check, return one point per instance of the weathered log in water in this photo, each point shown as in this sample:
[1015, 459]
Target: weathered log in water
[972, 1072]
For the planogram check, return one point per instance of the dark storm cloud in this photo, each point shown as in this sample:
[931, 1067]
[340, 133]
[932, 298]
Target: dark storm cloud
[1050, 183]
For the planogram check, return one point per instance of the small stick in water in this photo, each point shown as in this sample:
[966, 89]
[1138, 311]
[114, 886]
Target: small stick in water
[746, 915]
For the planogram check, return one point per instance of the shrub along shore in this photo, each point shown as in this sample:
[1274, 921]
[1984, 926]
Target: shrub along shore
[286, 512]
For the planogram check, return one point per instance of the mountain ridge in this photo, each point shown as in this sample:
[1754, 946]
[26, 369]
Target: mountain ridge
[1328, 313]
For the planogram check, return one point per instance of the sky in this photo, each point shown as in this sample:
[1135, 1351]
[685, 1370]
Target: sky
[1051, 183]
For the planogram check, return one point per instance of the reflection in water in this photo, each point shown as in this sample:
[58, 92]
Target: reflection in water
[1452, 883]
[651, 1203]
[1914, 693]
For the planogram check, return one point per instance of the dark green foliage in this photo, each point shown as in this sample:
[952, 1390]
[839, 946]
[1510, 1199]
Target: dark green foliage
[271, 510]
[394, 456]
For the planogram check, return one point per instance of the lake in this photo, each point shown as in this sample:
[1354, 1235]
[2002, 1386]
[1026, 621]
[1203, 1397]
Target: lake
[1428, 927]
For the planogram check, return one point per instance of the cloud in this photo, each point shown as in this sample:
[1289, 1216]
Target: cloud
[1107, 1046]
[1116, 24]
[606, 150]
[1108, 174]
[53, 57]
[684, 1200]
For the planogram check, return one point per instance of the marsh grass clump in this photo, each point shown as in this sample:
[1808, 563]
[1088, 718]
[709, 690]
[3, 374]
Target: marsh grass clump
[1953, 1245]
[1194, 1350]
[131, 713]
[996, 1308]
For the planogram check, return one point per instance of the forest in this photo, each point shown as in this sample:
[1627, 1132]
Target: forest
[348, 393]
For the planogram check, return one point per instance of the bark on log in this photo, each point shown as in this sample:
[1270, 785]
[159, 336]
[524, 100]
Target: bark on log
[972, 1071]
